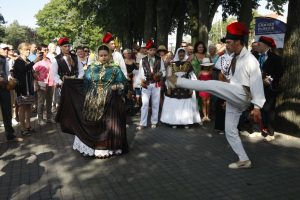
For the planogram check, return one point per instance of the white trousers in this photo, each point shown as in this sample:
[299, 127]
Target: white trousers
[236, 103]
[154, 93]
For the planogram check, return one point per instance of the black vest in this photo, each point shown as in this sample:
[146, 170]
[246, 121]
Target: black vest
[3, 67]
[147, 69]
[63, 69]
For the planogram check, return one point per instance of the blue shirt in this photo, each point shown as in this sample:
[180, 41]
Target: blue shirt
[32, 57]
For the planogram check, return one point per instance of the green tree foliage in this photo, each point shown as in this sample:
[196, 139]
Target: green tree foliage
[58, 19]
[16, 34]
[2, 29]
[218, 29]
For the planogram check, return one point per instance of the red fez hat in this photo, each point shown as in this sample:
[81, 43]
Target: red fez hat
[62, 41]
[236, 31]
[268, 41]
[107, 38]
[150, 44]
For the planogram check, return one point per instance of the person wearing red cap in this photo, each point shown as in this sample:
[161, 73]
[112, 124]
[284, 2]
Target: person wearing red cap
[151, 72]
[66, 65]
[244, 87]
[109, 40]
[271, 67]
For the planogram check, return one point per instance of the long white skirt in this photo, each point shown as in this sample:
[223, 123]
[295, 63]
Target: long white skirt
[180, 111]
[78, 145]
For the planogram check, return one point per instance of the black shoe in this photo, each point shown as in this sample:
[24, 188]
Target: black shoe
[30, 129]
[15, 139]
[25, 133]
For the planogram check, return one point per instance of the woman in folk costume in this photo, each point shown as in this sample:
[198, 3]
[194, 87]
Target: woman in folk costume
[180, 105]
[93, 109]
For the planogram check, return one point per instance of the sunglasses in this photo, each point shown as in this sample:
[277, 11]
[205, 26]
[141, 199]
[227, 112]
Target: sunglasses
[87, 51]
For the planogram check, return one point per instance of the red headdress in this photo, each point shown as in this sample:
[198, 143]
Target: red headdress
[236, 31]
[150, 44]
[107, 38]
[268, 41]
[62, 41]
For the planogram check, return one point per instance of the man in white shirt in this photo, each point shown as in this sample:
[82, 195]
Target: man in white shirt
[66, 65]
[151, 72]
[108, 39]
[245, 86]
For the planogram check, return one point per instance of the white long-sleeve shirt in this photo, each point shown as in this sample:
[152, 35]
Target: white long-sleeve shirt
[118, 59]
[54, 69]
[247, 73]
[141, 74]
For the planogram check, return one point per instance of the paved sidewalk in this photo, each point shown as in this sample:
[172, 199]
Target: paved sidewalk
[163, 163]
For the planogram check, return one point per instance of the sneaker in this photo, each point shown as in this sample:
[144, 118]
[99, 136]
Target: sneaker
[270, 138]
[51, 121]
[221, 133]
[240, 165]
[174, 127]
[255, 134]
[14, 122]
[186, 127]
[139, 128]
[15, 139]
[41, 122]
[153, 126]
[25, 133]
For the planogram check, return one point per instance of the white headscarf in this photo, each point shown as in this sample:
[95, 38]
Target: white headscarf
[176, 57]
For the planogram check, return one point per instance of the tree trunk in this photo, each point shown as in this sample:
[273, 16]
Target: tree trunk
[207, 10]
[149, 20]
[180, 30]
[192, 9]
[288, 101]
[246, 15]
[163, 12]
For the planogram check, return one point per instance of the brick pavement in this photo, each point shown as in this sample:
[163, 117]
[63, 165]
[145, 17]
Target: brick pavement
[163, 163]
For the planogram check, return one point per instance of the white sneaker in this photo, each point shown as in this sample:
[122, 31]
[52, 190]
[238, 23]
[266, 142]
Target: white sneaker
[240, 165]
[14, 122]
[174, 127]
[139, 128]
[153, 126]
[186, 127]
[254, 135]
[41, 122]
[270, 138]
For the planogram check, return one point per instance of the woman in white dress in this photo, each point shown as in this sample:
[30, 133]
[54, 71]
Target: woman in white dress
[180, 105]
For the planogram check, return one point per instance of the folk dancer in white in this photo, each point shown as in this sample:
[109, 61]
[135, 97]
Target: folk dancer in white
[245, 87]
[151, 72]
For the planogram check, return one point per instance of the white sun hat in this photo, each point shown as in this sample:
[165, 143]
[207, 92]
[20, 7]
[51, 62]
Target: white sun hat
[206, 62]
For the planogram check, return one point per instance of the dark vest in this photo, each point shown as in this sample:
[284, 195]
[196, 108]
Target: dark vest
[63, 69]
[3, 67]
[147, 69]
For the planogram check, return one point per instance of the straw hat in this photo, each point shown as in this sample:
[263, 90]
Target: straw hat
[162, 48]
